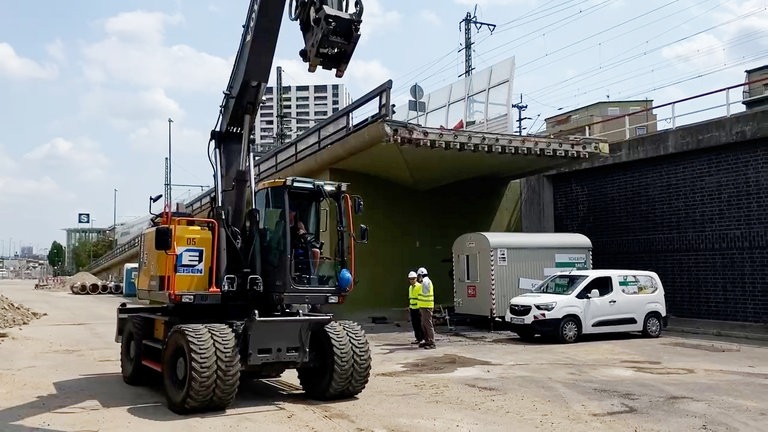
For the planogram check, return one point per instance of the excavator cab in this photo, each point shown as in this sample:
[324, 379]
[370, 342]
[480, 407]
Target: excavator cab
[330, 32]
[306, 240]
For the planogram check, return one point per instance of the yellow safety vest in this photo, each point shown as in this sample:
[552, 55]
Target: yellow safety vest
[427, 301]
[413, 295]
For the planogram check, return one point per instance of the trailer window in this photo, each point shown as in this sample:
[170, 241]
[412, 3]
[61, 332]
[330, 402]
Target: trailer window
[469, 268]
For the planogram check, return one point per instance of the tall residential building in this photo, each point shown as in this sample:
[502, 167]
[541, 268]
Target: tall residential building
[605, 119]
[303, 107]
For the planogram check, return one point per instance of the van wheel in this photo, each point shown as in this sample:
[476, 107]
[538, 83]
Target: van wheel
[569, 330]
[652, 325]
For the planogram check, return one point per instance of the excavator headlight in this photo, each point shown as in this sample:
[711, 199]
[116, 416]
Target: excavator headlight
[333, 299]
[187, 299]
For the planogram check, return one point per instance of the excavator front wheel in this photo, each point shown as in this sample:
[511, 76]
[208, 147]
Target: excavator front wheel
[330, 370]
[189, 368]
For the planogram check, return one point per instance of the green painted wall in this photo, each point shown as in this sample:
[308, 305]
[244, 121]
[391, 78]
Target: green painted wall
[409, 229]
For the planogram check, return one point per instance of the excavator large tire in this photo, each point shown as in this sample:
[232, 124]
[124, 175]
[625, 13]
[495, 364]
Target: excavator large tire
[189, 368]
[328, 375]
[227, 366]
[361, 358]
[133, 371]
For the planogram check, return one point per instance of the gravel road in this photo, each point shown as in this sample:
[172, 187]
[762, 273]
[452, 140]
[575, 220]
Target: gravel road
[61, 373]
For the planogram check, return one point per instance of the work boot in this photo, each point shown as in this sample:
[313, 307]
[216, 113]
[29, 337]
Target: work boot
[414, 342]
[430, 346]
[422, 344]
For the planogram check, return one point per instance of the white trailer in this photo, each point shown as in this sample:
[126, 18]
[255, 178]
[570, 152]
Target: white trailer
[490, 268]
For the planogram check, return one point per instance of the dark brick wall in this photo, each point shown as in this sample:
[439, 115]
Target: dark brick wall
[699, 219]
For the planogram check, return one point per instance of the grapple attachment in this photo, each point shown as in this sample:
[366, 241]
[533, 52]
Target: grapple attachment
[330, 33]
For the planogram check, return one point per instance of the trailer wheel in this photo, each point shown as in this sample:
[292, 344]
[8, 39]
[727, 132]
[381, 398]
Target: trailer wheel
[134, 373]
[330, 369]
[227, 365]
[189, 368]
[361, 358]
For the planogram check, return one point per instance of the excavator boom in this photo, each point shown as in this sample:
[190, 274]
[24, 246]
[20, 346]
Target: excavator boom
[330, 36]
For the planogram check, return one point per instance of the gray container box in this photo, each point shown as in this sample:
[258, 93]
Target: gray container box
[490, 268]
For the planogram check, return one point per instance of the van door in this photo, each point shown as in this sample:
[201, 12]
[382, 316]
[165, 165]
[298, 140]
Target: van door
[597, 310]
[638, 297]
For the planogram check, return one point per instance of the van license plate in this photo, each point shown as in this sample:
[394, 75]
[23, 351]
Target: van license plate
[515, 320]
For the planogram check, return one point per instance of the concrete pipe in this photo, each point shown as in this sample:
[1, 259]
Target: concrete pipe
[117, 288]
[104, 288]
[94, 288]
[82, 288]
[73, 287]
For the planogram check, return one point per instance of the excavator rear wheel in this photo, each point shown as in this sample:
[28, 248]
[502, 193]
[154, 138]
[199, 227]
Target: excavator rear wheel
[227, 366]
[189, 368]
[330, 370]
[133, 371]
[361, 358]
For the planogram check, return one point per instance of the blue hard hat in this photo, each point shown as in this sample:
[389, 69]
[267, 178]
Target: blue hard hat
[345, 279]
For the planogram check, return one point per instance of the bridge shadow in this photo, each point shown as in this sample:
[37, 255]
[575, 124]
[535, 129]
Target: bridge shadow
[88, 393]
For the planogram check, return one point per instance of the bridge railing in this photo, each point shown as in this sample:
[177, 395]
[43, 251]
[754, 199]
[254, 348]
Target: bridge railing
[115, 253]
[328, 132]
[672, 114]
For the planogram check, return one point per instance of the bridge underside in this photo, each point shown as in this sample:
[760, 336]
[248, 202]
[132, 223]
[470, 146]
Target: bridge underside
[422, 189]
[425, 158]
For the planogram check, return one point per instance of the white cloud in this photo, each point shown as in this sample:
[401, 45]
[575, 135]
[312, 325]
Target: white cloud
[704, 50]
[6, 163]
[14, 66]
[133, 52]
[57, 50]
[81, 159]
[31, 190]
[124, 109]
[377, 18]
[140, 26]
[430, 17]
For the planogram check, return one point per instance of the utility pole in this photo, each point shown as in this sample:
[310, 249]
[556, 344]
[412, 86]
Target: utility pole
[469, 19]
[168, 200]
[279, 131]
[520, 108]
[114, 220]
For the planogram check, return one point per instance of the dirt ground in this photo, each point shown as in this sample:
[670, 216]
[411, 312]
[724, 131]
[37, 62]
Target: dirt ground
[61, 373]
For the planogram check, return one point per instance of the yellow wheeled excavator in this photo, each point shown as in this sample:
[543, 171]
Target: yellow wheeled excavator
[242, 293]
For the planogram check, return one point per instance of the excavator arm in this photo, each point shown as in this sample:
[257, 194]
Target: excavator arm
[330, 36]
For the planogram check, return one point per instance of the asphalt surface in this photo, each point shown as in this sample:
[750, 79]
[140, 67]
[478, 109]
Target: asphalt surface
[62, 373]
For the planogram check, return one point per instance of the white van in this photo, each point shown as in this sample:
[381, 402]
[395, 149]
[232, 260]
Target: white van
[568, 304]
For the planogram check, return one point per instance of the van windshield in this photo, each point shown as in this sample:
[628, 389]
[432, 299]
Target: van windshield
[560, 284]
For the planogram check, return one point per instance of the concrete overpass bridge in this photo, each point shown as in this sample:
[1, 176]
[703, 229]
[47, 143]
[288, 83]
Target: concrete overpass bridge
[423, 187]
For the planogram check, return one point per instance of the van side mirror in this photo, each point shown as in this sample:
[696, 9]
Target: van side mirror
[594, 294]
[163, 238]
[363, 237]
[357, 203]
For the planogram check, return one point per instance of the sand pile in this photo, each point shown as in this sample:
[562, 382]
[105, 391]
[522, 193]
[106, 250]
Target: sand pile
[82, 277]
[14, 315]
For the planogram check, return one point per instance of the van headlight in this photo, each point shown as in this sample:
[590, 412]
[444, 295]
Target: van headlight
[546, 306]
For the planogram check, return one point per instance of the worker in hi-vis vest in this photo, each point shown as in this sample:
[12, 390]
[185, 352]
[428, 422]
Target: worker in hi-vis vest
[413, 307]
[426, 302]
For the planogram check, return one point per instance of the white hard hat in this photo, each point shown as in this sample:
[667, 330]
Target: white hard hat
[411, 275]
[421, 271]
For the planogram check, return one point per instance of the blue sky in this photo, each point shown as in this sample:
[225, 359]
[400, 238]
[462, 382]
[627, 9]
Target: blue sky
[87, 87]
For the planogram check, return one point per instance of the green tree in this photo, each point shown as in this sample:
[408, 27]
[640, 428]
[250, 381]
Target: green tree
[56, 254]
[86, 250]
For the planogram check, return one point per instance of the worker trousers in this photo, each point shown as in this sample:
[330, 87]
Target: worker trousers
[427, 326]
[418, 332]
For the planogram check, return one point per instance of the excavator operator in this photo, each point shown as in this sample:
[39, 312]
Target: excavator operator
[301, 241]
